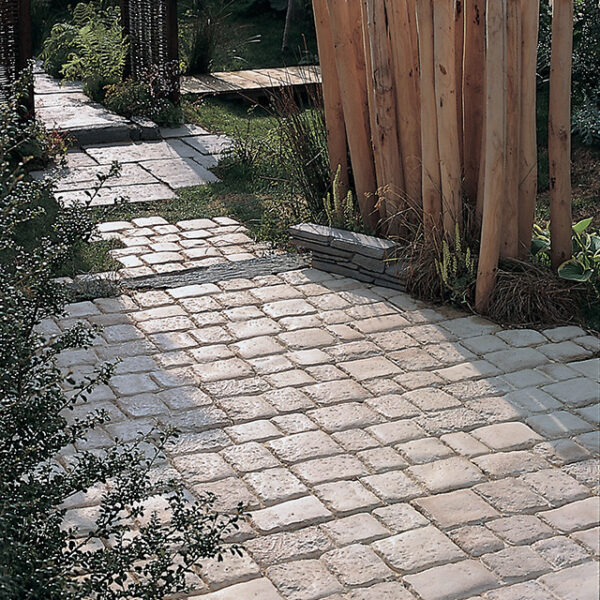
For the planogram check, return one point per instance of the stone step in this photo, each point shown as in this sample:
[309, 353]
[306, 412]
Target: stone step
[64, 107]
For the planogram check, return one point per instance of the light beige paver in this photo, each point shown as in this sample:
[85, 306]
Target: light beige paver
[380, 460]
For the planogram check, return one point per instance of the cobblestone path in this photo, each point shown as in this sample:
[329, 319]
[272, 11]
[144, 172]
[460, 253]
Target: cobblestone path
[387, 450]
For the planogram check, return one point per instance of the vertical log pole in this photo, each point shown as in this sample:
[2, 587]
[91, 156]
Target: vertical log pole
[495, 151]
[382, 100]
[346, 27]
[530, 12]
[509, 246]
[444, 21]
[473, 93]
[405, 64]
[459, 45]
[430, 168]
[332, 98]
[559, 131]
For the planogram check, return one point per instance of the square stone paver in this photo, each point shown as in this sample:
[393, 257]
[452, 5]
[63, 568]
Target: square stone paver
[456, 508]
[357, 565]
[304, 580]
[448, 582]
[418, 549]
[448, 474]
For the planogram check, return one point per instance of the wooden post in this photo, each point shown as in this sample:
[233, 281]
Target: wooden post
[559, 132]
[473, 93]
[495, 151]
[530, 12]
[332, 98]
[384, 131]
[509, 246]
[432, 198]
[459, 45]
[447, 114]
[405, 63]
[346, 27]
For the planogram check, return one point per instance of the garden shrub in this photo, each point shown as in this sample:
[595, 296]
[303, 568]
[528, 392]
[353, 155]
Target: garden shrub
[89, 48]
[144, 98]
[42, 468]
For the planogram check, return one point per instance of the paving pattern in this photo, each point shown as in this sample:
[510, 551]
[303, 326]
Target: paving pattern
[153, 246]
[387, 450]
[151, 170]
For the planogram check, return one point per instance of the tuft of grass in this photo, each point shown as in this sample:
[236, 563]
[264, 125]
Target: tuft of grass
[91, 258]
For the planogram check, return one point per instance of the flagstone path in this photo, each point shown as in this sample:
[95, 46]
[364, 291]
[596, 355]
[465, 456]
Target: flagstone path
[387, 450]
[151, 169]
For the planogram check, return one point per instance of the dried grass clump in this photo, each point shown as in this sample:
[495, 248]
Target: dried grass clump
[528, 294]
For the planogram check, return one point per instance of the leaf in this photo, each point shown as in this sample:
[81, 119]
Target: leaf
[573, 270]
[539, 245]
[582, 225]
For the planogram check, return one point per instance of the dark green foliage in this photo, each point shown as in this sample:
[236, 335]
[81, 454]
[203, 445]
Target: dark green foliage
[132, 98]
[90, 47]
[586, 64]
[42, 468]
[209, 37]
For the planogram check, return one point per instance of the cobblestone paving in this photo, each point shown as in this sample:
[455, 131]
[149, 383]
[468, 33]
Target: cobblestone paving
[387, 450]
[153, 246]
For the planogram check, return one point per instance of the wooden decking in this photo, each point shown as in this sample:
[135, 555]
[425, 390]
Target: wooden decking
[251, 82]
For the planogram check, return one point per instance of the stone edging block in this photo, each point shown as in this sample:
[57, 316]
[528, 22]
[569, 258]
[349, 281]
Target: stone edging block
[364, 257]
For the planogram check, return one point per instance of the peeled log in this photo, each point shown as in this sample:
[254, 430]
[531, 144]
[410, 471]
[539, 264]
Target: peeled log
[430, 168]
[332, 98]
[530, 12]
[559, 132]
[495, 152]
[346, 27]
[444, 22]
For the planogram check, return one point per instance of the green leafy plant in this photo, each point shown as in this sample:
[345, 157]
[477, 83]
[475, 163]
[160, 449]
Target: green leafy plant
[586, 121]
[457, 270]
[144, 98]
[584, 266]
[89, 48]
[341, 210]
[126, 551]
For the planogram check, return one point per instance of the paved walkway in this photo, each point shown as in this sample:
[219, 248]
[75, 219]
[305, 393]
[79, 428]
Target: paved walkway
[154, 246]
[152, 169]
[387, 450]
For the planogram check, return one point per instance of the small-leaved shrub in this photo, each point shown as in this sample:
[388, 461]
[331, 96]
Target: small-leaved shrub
[123, 549]
[145, 98]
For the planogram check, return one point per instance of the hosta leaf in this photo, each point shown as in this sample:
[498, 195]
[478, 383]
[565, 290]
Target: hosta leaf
[582, 225]
[538, 245]
[573, 270]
